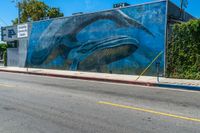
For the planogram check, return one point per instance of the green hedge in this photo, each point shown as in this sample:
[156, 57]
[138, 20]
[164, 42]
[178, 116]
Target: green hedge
[3, 48]
[183, 51]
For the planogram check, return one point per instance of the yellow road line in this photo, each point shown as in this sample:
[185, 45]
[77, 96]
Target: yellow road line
[5, 85]
[150, 111]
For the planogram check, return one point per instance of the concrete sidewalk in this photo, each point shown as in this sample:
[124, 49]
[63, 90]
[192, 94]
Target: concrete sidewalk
[128, 79]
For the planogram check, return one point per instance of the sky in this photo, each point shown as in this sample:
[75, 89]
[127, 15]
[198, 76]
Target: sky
[8, 10]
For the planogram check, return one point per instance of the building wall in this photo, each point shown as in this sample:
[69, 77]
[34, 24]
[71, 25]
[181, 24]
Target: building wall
[22, 52]
[121, 41]
[12, 57]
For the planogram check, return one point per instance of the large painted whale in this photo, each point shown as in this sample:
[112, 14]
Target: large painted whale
[60, 37]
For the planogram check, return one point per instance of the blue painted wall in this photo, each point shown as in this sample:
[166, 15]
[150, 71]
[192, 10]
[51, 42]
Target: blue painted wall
[121, 41]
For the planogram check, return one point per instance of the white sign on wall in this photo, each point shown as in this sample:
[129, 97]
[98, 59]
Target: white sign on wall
[22, 30]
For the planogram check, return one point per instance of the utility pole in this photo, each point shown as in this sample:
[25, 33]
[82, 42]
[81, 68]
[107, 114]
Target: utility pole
[184, 4]
[18, 5]
[19, 11]
[181, 4]
[181, 10]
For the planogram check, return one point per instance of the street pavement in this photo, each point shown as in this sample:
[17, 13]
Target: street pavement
[39, 104]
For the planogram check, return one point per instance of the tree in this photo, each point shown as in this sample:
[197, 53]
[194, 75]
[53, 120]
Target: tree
[54, 12]
[34, 10]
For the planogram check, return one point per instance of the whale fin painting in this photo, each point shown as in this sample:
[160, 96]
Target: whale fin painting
[120, 41]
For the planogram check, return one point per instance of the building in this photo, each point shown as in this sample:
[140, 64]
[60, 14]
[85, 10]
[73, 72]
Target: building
[121, 40]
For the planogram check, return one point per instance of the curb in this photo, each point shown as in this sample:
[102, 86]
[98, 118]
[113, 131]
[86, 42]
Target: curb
[172, 86]
[83, 78]
[183, 87]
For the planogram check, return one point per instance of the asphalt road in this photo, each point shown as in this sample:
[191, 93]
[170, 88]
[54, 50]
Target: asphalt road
[36, 104]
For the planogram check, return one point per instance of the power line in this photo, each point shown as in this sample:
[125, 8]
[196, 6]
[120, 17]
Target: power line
[2, 26]
[3, 22]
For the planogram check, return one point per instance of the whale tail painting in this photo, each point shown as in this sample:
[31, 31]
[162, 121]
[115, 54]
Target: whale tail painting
[119, 40]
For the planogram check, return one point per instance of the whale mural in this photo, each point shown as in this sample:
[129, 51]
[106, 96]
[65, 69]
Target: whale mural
[118, 41]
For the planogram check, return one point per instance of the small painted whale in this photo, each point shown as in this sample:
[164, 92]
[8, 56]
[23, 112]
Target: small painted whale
[61, 36]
